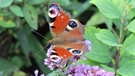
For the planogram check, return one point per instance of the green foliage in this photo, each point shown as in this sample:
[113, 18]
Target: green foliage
[56, 73]
[120, 38]
[107, 37]
[6, 68]
[107, 8]
[100, 51]
[113, 45]
[6, 23]
[16, 10]
[30, 14]
[5, 3]
[131, 26]
[96, 19]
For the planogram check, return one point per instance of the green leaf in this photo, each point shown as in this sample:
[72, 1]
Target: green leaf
[126, 65]
[6, 68]
[129, 45]
[6, 23]
[127, 60]
[4, 13]
[109, 23]
[88, 61]
[16, 60]
[96, 19]
[107, 8]
[107, 68]
[61, 2]
[131, 26]
[56, 73]
[35, 2]
[100, 51]
[117, 23]
[31, 45]
[82, 7]
[5, 3]
[107, 37]
[31, 16]
[38, 53]
[23, 36]
[121, 5]
[19, 73]
[131, 3]
[131, 14]
[16, 10]
[18, 1]
[131, 50]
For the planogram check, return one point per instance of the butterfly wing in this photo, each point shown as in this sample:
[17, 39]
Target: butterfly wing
[61, 24]
[58, 19]
[60, 54]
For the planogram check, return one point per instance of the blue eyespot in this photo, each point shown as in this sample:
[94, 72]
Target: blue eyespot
[72, 24]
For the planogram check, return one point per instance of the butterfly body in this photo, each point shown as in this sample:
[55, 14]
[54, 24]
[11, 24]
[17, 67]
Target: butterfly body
[67, 33]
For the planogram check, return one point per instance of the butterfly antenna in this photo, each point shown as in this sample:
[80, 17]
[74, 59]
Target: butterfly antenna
[39, 34]
[42, 37]
[41, 50]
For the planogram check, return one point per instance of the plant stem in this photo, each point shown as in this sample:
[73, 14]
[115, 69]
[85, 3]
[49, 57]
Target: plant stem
[122, 32]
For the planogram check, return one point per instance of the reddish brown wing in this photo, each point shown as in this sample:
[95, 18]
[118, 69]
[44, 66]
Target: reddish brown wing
[58, 18]
[60, 54]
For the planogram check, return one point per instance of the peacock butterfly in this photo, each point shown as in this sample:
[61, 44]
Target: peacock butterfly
[67, 36]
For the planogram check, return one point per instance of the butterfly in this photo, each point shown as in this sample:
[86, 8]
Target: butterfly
[67, 35]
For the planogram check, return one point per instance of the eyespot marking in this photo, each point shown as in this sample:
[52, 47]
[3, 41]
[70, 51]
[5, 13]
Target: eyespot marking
[74, 51]
[56, 59]
[53, 53]
[71, 25]
[53, 27]
[52, 19]
[53, 10]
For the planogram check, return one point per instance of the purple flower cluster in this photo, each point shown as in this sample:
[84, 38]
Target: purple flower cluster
[86, 70]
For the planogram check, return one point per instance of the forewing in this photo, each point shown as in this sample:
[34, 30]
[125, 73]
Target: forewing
[58, 19]
[61, 25]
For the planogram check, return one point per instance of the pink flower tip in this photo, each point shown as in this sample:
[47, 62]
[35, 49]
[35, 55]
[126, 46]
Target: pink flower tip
[87, 43]
[36, 73]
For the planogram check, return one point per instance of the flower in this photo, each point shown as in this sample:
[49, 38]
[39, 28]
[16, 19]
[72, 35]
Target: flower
[86, 70]
[87, 43]
[36, 73]
[48, 62]
[49, 51]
